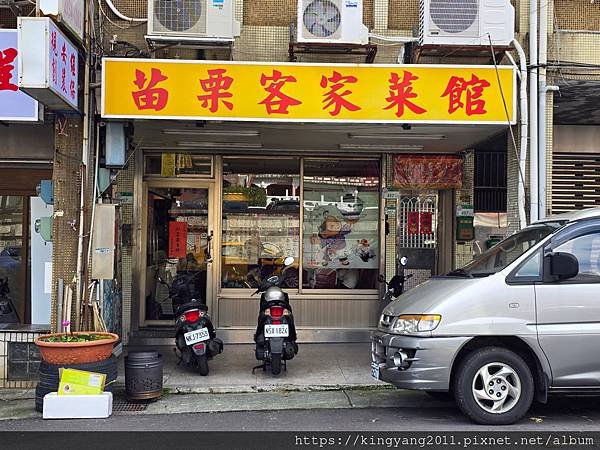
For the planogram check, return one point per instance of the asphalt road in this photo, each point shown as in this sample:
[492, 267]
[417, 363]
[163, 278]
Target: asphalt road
[573, 414]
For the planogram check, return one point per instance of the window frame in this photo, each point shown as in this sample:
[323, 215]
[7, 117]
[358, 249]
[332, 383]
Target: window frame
[585, 228]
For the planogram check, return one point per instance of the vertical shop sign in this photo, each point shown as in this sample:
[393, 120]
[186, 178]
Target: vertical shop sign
[49, 63]
[14, 104]
[177, 239]
[167, 164]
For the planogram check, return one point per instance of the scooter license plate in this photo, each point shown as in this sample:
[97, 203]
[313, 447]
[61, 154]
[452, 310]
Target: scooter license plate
[193, 337]
[375, 370]
[272, 331]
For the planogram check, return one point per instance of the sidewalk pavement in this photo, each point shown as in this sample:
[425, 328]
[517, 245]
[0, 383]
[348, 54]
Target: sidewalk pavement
[315, 367]
[321, 376]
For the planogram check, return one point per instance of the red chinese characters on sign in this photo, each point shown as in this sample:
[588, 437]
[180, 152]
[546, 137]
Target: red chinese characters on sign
[337, 94]
[277, 102]
[216, 86]
[7, 60]
[466, 94]
[63, 74]
[148, 96]
[177, 239]
[401, 93]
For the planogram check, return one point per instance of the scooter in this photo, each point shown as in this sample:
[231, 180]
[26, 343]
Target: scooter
[275, 335]
[195, 336]
[395, 287]
[8, 313]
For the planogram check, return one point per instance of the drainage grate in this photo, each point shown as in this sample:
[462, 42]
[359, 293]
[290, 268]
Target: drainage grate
[125, 406]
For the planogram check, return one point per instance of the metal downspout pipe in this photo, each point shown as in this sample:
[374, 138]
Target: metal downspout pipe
[524, 131]
[542, 118]
[533, 112]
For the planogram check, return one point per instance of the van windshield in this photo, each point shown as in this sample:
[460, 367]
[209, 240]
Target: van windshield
[505, 252]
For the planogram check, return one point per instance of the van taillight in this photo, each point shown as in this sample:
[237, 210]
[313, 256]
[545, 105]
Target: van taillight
[276, 312]
[192, 315]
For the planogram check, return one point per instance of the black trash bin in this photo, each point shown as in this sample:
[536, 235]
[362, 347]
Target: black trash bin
[143, 375]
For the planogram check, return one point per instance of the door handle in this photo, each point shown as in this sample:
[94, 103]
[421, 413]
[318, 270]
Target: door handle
[208, 251]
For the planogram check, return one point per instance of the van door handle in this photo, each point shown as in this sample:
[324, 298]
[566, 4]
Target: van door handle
[513, 305]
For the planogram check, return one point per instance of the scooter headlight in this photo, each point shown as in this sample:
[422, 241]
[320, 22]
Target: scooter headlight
[415, 323]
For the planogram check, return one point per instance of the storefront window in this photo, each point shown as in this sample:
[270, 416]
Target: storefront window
[341, 224]
[261, 220]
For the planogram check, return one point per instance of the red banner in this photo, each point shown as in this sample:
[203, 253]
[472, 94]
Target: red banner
[425, 223]
[419, 223]
[412, 223]
[413, 172]
[177, 239]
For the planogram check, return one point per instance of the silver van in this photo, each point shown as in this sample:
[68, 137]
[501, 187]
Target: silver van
[518, 323]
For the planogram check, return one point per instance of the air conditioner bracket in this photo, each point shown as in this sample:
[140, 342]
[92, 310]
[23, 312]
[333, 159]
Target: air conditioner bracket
[368, 50]
[455, 51]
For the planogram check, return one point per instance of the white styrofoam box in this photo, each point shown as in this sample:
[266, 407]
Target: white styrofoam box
[77, 406]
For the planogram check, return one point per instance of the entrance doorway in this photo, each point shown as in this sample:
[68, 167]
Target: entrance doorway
[178, 232]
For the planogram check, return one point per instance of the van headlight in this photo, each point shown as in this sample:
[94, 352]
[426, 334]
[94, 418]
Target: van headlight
[415, 323]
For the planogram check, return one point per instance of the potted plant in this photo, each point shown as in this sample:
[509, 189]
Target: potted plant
[77, 347]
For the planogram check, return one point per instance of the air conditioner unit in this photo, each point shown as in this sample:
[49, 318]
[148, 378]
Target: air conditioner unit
[331, 21]
[204, 20]
[466, 22]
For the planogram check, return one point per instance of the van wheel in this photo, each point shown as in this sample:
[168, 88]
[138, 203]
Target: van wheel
[494, 386]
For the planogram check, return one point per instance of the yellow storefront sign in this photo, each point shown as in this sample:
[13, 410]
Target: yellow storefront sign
[196, 90]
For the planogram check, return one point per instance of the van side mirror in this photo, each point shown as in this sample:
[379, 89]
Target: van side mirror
[561, 266]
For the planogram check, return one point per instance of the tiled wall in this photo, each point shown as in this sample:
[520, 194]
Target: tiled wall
[18, 347]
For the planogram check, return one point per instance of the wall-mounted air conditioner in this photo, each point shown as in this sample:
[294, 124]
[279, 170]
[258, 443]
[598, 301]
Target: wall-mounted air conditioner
[331, 21]
[466, 22]
[207, 20]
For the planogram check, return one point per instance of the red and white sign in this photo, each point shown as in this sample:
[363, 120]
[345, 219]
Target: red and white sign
[63, 66]
[177, 239]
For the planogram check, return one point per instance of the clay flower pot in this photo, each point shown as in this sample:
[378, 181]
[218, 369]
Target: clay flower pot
[76, 352]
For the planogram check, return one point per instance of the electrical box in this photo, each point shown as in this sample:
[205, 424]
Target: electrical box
[43, 226]
[104, 241]
[45, 190]
[116, 145]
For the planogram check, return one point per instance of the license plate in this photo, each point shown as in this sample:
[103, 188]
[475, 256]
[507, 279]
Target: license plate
[375, 370]
[192, 337]
[277, 331]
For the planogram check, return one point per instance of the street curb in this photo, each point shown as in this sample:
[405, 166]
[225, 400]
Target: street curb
[250, 389]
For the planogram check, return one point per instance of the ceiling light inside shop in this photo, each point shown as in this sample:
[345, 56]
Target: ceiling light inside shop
[218, 145]
[404, 136]
[381, 147]
[189, 132]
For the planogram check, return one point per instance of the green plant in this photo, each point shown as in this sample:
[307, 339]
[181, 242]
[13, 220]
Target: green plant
[74, 338]
[256, 195]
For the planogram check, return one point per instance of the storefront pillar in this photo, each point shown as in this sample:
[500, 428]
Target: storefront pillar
[67, 177]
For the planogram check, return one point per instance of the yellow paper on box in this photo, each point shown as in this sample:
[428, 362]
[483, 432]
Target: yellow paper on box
[80, 382]
[360, 93]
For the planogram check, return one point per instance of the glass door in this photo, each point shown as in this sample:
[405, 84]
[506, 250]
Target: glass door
[178, 248]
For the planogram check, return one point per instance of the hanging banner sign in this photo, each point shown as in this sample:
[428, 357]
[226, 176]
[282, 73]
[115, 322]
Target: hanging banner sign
[356, 93]
[177, 239]
[15, 105]
[413, 172]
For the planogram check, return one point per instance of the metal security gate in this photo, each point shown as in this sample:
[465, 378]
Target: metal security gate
[417, 235]
[575, 181]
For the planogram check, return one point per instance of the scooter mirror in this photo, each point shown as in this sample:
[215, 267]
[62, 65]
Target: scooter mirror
[273, 279]
[289, 261]
[404, 261]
